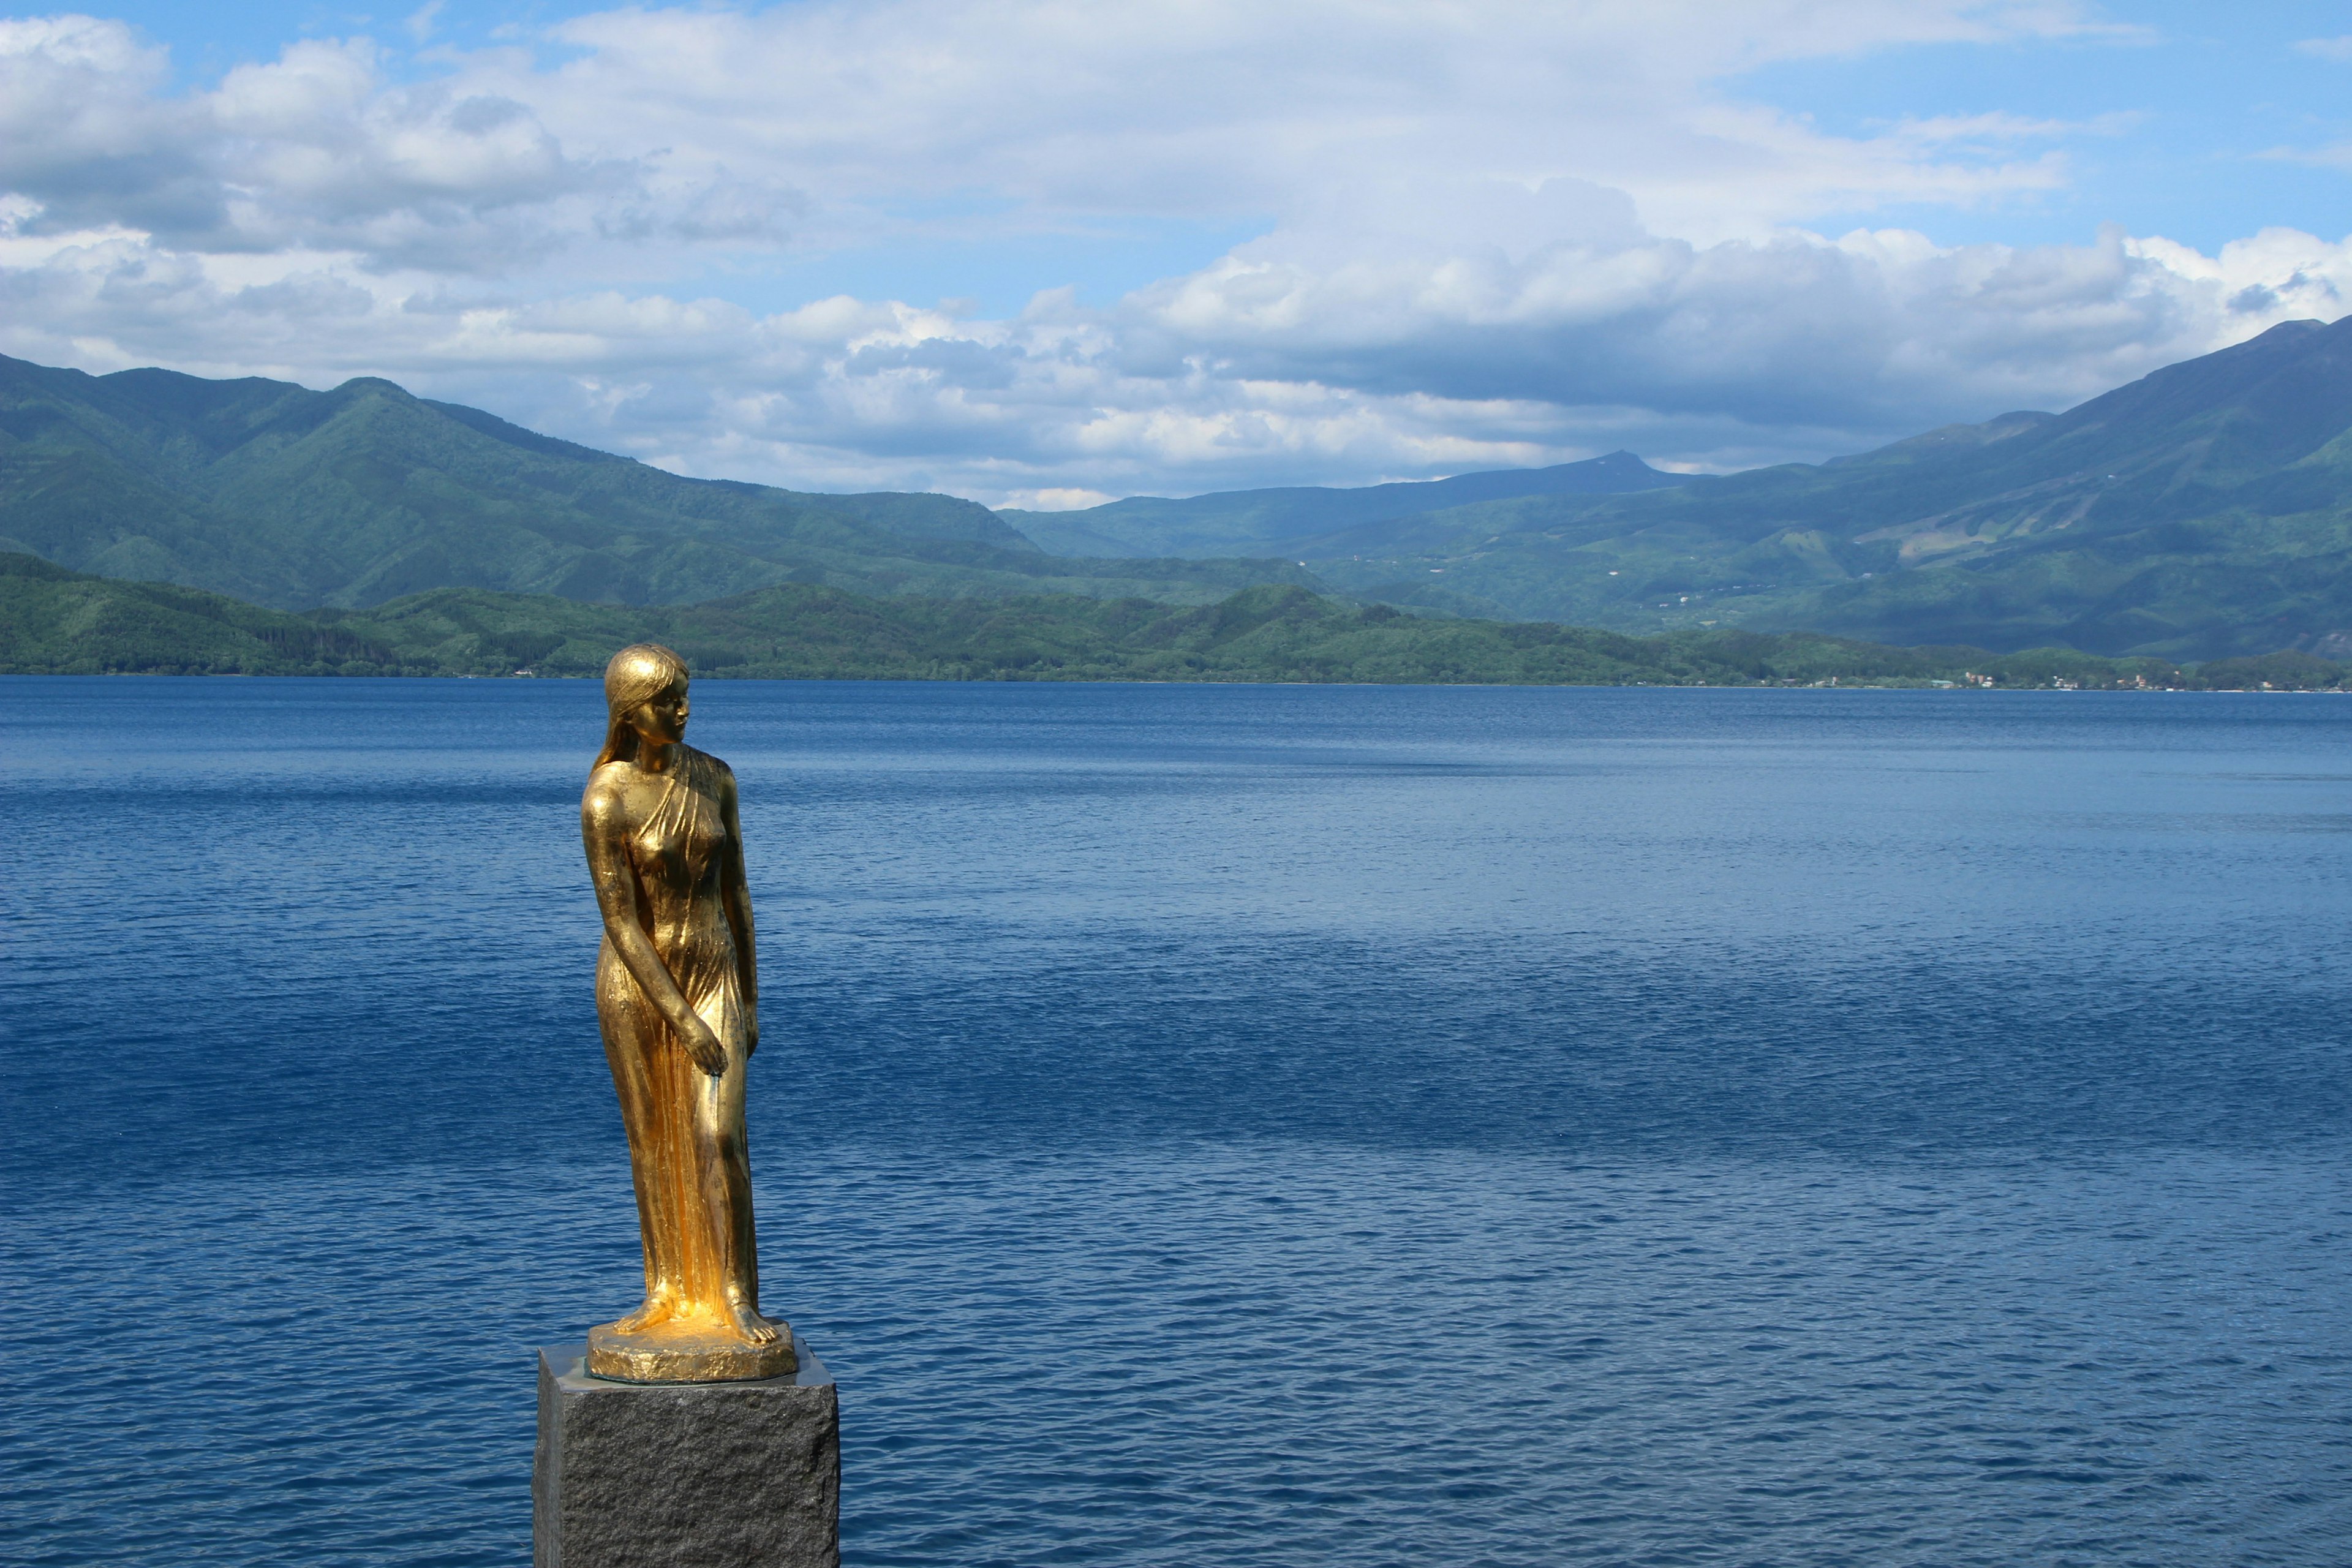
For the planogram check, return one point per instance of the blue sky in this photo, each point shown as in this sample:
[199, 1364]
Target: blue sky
[1041, 252]
[2200, 101]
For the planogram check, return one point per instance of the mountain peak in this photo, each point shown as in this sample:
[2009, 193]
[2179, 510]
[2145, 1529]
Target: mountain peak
[292, 498]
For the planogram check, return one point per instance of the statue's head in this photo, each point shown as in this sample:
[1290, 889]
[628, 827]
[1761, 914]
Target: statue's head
[644, 699]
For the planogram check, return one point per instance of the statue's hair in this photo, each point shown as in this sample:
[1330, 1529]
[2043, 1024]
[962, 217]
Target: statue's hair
[638, 674]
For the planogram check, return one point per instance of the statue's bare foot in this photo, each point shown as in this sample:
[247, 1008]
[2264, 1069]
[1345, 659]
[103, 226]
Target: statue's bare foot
[656, 1310]
[748, 1323]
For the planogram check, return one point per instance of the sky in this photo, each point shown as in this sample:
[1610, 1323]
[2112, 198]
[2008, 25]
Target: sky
[1044, 253]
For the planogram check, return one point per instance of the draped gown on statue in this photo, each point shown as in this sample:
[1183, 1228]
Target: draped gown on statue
[687, 1151]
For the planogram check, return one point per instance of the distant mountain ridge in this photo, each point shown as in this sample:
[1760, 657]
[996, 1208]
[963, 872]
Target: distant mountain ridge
[1275, 522]
[2201, 511]
[290, 498]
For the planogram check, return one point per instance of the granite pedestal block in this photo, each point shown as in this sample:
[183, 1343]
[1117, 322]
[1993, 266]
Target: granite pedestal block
[685, 1475]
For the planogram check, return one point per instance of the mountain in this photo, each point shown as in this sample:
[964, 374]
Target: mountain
[291, 498]
[1276, 522]
[54, 622]
[2201, 511]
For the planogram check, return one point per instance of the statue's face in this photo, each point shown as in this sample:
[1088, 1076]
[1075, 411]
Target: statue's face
[663, 719]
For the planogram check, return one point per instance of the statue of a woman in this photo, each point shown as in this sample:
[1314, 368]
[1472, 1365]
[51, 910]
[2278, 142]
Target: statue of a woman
[677, 999]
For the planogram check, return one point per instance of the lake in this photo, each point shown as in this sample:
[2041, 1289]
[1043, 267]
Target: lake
[1239, 1125]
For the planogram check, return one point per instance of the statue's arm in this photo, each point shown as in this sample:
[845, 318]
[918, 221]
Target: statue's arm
[603, 832]
[736, 891]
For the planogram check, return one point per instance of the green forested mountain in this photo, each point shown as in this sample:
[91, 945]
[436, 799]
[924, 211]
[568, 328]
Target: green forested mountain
[56, 622]
[52, 621]
[2200, 513]
[291, 498]
[1297, 519]
[2203, 510]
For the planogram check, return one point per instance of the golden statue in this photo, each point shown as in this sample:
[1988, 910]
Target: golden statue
[678, 1000]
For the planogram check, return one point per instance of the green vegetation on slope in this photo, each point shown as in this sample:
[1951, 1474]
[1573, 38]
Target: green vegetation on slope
[1259, 634]
[293, 499]
[2204, 510]
[56, 622]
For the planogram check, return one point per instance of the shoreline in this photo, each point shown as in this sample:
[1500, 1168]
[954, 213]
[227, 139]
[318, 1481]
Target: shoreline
[721, 674]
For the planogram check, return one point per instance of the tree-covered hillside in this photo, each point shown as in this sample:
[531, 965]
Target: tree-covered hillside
[54, 622]
[291, 498]
[2203, 510]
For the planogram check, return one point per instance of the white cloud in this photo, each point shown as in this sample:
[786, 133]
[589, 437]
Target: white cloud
[2337, 50]
[1066, 107]
[2330, 155]
[1499, 233]
[421, 23]
[1052, 112]
[313, 149]
[1056, 498]
[1260, 369]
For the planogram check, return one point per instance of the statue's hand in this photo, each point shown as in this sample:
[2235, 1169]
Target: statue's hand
[703, 1047]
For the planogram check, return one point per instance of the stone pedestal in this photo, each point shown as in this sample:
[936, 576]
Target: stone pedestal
[702, 1475]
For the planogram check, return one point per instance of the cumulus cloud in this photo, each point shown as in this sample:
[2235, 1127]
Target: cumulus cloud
[315, 150]
[1262, 368]
[1492, 233]
[1064, 107]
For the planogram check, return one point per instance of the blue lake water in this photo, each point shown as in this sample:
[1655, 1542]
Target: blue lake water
[1237, 1126]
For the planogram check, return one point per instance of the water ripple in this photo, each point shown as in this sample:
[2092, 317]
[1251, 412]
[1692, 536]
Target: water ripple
[1259, 1126]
